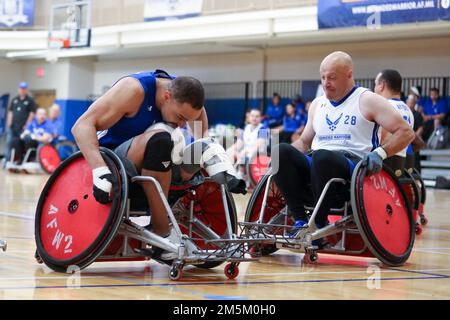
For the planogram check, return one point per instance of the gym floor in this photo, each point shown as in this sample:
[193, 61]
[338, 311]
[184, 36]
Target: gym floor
[426, 275]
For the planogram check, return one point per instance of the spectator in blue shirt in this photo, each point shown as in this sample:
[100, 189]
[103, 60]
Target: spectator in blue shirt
[293, 122]
[55, 121]
[274, 113]
[38, 131]
[434, 112]
[299, 104]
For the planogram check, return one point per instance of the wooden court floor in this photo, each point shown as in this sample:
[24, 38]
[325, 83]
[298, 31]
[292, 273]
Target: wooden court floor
[281, 276]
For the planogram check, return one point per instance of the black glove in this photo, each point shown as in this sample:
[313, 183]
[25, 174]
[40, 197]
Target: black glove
[103, 180]
[236, 186]
[373, 162]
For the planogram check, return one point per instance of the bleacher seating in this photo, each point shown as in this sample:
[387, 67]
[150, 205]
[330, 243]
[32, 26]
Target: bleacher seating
[435, 163]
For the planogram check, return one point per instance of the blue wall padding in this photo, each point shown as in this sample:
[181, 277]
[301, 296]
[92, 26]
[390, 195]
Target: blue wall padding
[226, 111]
[71, 110]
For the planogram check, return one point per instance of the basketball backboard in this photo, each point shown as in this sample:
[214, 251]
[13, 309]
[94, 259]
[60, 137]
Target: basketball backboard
[70, 25]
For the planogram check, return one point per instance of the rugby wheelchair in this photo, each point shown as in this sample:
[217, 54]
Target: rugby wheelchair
[375, 220]
[43, 159]
[72, 230]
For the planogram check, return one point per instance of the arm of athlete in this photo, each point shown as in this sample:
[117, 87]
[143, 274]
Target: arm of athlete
[123, 99]
[376, 108]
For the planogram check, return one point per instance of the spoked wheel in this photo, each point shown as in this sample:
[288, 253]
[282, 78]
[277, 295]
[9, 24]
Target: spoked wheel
[209, 211]
[71, 228]
[48, 158]
[383, 215]
[275, 203]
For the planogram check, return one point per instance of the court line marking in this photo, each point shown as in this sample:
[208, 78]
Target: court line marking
[432, 251]
[16, 215]
[222, 283]
[419, 272]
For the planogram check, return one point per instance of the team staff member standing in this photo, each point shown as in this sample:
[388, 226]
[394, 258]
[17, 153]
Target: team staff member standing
[20, 113]
[342, 128]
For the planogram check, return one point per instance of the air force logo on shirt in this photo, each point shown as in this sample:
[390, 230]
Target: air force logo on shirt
[333, 124]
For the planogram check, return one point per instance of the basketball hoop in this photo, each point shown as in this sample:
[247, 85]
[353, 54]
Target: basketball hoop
[54, 46]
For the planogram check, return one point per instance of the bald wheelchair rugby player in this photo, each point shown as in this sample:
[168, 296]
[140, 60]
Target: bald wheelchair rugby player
[342, 129]
[139, 118]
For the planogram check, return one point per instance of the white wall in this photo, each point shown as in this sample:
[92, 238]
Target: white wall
[56, 76]
[10, 76]
[207, 68]
[413, 58]
[81, 78]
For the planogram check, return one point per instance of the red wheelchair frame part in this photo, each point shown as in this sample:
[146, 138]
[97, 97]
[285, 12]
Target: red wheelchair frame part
[383, 215]
[48, 158]
[257, 167]
[71, 227]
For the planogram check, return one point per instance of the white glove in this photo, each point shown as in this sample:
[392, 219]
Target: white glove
[103, 180]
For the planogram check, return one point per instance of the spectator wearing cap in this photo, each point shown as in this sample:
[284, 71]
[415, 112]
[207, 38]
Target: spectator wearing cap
[20, 114]
[434, 112]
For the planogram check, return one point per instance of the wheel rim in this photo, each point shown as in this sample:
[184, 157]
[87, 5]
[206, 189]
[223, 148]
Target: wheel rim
[383, 215]
[71, 227]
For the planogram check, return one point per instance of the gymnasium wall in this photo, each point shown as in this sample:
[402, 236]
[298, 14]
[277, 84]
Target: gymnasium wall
[76, 79]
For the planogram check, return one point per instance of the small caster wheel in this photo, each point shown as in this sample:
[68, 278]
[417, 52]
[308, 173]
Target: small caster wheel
[423, 220]
[175, 273]
[310, 257]
[38, 257]
[3, 245]
[418, 229]
[231, 271]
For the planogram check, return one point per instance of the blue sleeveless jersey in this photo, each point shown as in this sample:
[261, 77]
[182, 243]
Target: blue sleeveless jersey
[148, 114]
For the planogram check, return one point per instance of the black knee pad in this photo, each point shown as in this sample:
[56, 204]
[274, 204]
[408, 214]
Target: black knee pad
[157, 155]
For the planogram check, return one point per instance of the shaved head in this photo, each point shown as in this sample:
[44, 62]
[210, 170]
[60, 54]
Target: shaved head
[337, 59]
[336, 72]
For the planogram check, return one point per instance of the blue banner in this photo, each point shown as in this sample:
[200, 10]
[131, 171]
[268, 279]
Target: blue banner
[16, 13]
[3, 107]
[375, 13]
[157, 10]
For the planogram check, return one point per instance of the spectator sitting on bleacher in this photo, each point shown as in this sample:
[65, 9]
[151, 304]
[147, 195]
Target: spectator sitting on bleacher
[299, 104]
[274, 113]
[38, 131]
[252, 140]
[434, 112]
[293, 124]
[55, 121]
